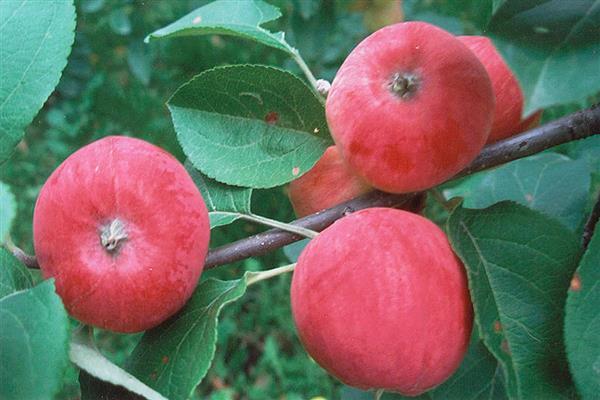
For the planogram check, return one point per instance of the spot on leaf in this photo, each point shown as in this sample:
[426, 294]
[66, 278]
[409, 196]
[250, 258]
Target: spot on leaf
[165, 359]
[529, 198]
[575, 283]
[497, 327]
[295, 171]
[504, 346]
[197, 20]
[271, 118]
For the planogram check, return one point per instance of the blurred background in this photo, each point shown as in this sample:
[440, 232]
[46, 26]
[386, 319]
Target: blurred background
[114, 83]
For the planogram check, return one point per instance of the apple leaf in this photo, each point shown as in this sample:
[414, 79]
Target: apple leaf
[35, 41]
[7, 211]
[34, 343]
[582, 321]
[95, 364]
[93, 388]
[249, 125]
[518, 279]
[174, 357]
[551, 183]
[13, 275]
[552, 46]
[242, 18]
[225, 203]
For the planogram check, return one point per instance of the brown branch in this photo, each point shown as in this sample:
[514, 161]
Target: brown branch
[578, 125]
[575, 126]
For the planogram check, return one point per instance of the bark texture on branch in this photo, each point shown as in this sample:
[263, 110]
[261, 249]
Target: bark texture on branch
[578, 125]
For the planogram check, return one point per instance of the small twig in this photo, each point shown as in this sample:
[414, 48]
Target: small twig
[590, 225]
[308, 73]
[378, 393]
[28, 260]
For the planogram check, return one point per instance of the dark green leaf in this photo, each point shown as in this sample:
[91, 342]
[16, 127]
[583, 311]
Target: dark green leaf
[95, 389]
[35, 41]
[519, 265]
[34, 343]
[250, 125]
[8, 210]
[223, 17]
[549, 182]
[552, 46]
[225, 203]
[174, 357]
[13, 275]
[582, 322]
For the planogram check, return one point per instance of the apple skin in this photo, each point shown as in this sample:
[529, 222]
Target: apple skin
[152, 272]
[329, 183]
[381, 302]
[507, 91]
[404, 140]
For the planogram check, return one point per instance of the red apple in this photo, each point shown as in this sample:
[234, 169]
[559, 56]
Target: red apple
[381, 302]
[124, 231]
[507, 91]
[327, 184]
[410, 107]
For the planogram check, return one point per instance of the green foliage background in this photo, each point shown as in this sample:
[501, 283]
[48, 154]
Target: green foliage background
[116, 84]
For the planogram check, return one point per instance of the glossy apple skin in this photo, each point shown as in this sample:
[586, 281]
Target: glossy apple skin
[155, 270]
[410, 144]
[381, 302]
[507, 91]
[329, 183]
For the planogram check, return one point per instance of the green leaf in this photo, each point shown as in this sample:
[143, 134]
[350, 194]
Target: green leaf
[35, 41]
[174, 357]
[95, 364]
[293, 251]
[552, 46]
[551, 183]
[34, 343]
[13, 275]
[93, 389]
[225, 203]
[582, 322]
[519, 264]
[242, 18]
[8, 210]
[479, 376]
[249, 125]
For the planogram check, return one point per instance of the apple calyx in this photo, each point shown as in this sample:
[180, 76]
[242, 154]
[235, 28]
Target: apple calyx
[112, 235]
[404, 84]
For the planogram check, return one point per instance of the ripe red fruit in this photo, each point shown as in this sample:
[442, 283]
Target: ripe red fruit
[410, 107]
[327, 184]
[381, 302]
[507, 92]
[124, 231]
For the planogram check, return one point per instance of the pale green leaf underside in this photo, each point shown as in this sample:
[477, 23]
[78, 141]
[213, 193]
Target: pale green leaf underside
[250, 126]
[551, 183]
[94, 363]
[8, 210]
[34, 343]
[35, 40]
[582, 322]
[174, 357]
[13, 275]
[241, 18]
[518, 279]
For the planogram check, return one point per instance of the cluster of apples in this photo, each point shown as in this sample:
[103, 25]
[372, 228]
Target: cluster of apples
[379, 298]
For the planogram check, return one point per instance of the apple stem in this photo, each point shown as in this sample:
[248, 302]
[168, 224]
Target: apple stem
[404, 84]
[112, 235]
[270, 273]
[280, 225]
